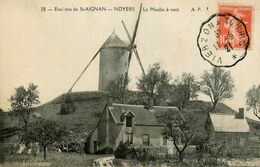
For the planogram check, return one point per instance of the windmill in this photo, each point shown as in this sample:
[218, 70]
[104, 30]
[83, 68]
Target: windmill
[106, 49]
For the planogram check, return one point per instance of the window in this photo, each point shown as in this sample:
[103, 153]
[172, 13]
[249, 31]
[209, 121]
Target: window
[128, 121]
[146, 140]
[236, 142]
[129, 138]
[164, 141]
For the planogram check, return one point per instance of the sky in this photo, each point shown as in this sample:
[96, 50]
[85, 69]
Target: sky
[51, 48]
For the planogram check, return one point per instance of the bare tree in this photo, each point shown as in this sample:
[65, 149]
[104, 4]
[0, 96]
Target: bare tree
[253, 99]
[217, 84]
[182, 130]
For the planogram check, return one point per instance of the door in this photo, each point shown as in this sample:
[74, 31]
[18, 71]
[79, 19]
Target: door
[95, 146]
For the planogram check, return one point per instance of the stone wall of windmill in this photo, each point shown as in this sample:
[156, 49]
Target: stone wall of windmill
[113, 60]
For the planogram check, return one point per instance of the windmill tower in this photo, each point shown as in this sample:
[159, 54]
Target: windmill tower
[113, 60]
[115, 57]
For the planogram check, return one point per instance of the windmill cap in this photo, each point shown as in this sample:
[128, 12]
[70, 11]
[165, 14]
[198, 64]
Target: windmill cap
[115, 41]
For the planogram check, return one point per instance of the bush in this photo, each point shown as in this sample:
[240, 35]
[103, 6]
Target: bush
[8, 149]
[70, 147]
[105, 150]
[138, 152]
[122, 150]
[68, 105]
[144, 153]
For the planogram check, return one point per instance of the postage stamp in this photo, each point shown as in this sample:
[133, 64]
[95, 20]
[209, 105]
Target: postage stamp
[243, 13]
[223, 40]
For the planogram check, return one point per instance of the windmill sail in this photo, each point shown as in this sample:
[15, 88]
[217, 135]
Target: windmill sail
[134, 48]
[132, 43]
[67, 104]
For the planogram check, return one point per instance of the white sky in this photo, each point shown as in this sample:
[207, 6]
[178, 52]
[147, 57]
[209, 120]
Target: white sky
[50, 49]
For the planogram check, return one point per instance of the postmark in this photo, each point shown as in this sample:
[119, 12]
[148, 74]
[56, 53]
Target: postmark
[223, 40]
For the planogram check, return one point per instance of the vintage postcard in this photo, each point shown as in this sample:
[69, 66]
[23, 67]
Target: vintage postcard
[129, 83]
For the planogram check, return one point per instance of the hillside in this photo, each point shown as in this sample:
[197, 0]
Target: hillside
[89, 104]
[83, 120]
[8, 126]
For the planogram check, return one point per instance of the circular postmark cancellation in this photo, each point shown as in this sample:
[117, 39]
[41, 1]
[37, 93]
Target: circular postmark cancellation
[223, 40]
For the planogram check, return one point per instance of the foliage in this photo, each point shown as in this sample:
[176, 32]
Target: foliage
[143, 153]
[182, 130]
[23, 100]
[7, 149]
[217, 84]
[185, 88]
[68, 105]
[253, 99]
[71, 147]
[105, 150]
[138, 152]
[118, 88]
[153, 82]
[208, 147]
[122, 150]
[45, 132]
[73, 143]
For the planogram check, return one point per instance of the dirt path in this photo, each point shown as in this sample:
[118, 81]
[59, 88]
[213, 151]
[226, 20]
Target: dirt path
[104, 162]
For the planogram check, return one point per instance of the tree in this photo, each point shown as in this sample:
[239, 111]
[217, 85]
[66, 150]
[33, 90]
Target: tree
[23, 101]
[182, 130]
[45, 132]
[253, 99]
[118, 88]
[217, 84]
[153, 81]
[185, 88]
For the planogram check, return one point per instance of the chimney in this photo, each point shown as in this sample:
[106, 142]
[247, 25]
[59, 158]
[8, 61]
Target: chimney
[109, 101]
[240, 114]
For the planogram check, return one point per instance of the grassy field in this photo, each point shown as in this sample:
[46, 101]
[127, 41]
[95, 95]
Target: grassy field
[54, 159]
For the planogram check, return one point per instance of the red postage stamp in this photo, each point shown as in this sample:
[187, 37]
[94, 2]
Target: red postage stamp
[244, 13]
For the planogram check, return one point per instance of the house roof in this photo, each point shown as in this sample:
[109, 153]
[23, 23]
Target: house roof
[114, 41]
[228, 123]
[142, 116]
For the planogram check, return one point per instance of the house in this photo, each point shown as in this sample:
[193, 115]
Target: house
[231, 130]
[128, 123]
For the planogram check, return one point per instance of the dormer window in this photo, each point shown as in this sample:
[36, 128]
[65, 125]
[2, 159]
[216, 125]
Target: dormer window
[129, 121]
[128, 117]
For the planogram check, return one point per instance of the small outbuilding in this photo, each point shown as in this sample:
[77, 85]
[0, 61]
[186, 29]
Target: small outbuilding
[231, 130]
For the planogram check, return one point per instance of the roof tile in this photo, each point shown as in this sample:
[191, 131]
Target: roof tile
[142, 116]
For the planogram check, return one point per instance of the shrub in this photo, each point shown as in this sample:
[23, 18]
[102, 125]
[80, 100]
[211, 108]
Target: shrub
[68, 105]
[122, 150]
[8, 149]
[144, 153]
[71, 147]
[105, 150]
